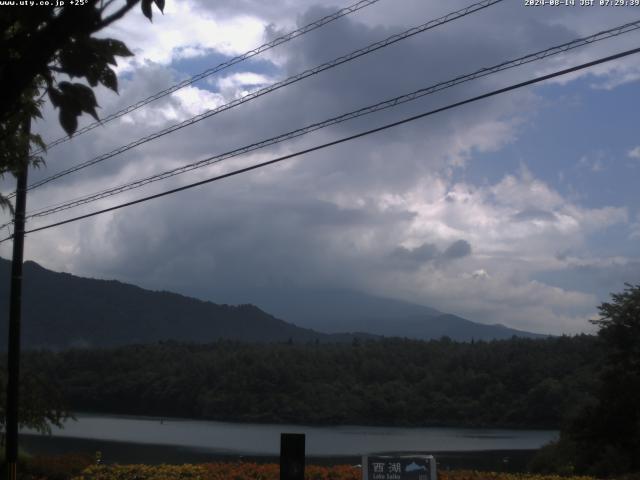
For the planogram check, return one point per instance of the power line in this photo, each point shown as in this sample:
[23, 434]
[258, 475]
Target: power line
[341, 140]
[613, 32]
[263, 91]
[218, 68]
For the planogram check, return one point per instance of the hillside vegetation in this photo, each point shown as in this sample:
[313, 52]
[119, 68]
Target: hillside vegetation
[509, 383]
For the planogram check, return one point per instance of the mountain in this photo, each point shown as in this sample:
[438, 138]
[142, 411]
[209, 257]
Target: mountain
[62, 310]
[334, 310]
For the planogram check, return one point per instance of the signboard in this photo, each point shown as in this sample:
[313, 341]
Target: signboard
[412, 467]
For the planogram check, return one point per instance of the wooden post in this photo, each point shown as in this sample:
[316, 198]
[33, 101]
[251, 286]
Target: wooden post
[292, 456]
[15, 310]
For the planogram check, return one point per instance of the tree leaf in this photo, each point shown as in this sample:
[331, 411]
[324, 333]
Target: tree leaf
[118, 48]
[109, 79]
[55, 96]
[48, 77]
[75, 99]
[160, 4]
[37, 161]
[146, 8]
[86, 99]
[77, 58]
[36, 139]
[69, 121]
[93, 75]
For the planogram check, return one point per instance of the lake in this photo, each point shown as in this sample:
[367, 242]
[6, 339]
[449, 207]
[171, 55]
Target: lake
[196, 440]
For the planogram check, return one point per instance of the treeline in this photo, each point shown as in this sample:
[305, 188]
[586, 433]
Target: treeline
[508, 383]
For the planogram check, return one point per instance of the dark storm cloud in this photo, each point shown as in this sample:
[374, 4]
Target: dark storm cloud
[317, 220]
[417, 62]
[256, 240]
[413, 258]
[148, 79]
[432, 56]
[458, 249]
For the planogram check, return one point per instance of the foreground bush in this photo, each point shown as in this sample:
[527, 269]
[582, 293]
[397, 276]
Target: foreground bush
[253, 471]
[473, 475]
[143, 472]
[54, 467]
[212, 471]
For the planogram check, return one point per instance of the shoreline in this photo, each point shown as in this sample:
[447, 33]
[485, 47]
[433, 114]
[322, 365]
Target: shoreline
[140, 453]
[232, 421]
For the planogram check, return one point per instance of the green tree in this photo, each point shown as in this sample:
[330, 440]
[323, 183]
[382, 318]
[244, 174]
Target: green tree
[603, 438]
[619, 328]
[41, 50]
[611, 429]
[42, 402]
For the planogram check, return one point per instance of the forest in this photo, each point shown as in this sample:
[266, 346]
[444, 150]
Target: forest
[522, 383]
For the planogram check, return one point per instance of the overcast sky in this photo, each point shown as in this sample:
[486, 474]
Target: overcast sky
[521, 209]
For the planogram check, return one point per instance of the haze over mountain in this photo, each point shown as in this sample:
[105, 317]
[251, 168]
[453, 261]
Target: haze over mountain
[61, 310]
[333, 311]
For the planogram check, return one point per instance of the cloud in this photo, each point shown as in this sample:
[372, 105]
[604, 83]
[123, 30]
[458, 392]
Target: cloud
[398, 213]
[249, 233]
[600, 276]
[635, 228]
[617, 75]
[595, 163]
[240, 84]
[458, 249]
[534, 214]
[185, 31]
[479, 274]
[414, 258]
[634, 153]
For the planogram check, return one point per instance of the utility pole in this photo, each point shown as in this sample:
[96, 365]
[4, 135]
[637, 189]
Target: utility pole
[15, 311]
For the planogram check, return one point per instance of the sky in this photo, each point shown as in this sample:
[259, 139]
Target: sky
[521, 209]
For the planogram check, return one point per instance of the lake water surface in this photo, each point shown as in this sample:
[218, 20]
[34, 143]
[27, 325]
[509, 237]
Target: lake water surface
[259, 439]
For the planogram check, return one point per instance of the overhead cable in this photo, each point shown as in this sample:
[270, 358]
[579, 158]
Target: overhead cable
[283, 83]
[218, 68]
[389, 103]
[339, 141]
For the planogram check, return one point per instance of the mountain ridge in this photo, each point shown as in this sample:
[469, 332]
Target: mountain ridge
[61, 310]
[334, 310]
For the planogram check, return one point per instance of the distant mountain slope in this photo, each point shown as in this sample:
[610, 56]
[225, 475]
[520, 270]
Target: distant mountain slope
[61, 310]
[332, 311]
